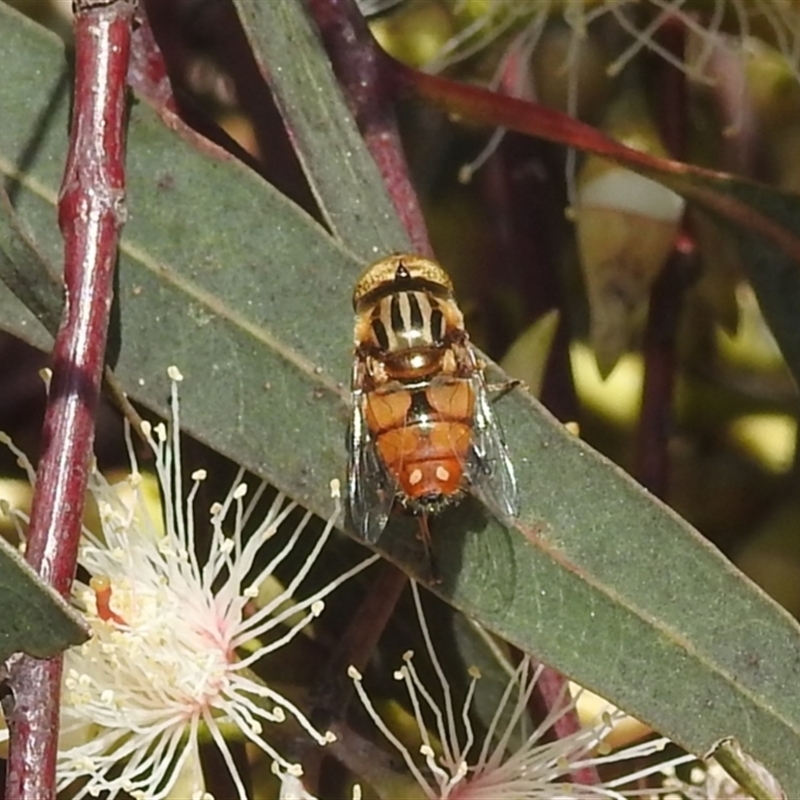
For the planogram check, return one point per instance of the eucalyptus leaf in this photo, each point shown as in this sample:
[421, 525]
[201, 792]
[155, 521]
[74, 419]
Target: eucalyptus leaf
[25, 272]
[343, 176]
[250, 297]
[35, 619]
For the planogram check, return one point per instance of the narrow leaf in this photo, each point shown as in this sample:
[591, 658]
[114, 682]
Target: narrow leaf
[24, 270]
[35, 619]
[343, 176]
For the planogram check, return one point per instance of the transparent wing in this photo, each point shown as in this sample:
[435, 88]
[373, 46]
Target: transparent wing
[370, 490]
[491, 470]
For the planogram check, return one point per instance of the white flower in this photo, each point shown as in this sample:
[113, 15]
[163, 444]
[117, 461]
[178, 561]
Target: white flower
[640, 22]
[292, 787]
[163, 664]
[721, 29]
[535, 770]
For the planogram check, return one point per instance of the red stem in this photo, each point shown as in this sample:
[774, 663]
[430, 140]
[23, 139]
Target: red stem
[356, 645]
[359, 639]
[660, 341]
[519, 194]
[666, 296]
[551, 694]
[147, 70]
[91, 212]
[360, 66]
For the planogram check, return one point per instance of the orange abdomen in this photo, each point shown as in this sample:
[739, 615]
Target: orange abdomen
[433, 468]
[424, 436]
[427, 460]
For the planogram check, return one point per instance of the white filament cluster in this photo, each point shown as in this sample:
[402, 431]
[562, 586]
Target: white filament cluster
[510, 762]
[163, 664]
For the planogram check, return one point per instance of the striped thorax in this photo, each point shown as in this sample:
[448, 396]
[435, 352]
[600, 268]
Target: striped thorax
[406, 317]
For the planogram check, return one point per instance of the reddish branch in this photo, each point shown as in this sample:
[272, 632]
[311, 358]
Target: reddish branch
[519, 194]
[659, 350]
[91, 212]
[518, 183]
[711, 190]
[666, 296]
[147, 70]
[359, 639]
[334, 689]
[360, 66]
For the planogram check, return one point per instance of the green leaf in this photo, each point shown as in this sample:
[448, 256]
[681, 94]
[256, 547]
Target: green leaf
[251, 299]
[24, 270]
[35, 619]
[343, 177]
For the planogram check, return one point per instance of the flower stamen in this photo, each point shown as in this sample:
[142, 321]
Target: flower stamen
[101, 586]
[163, 662]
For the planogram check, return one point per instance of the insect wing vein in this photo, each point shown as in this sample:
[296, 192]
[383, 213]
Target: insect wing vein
[492, 472]
[370, 490]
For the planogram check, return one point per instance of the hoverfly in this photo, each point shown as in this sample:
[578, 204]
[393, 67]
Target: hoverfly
[422, 431]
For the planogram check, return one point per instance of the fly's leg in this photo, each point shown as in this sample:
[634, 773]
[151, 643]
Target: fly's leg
[424, 532]
[500, 390]
[425, 535]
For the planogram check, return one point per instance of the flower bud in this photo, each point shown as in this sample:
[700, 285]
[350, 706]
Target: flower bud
[626, 227]
[414, 33]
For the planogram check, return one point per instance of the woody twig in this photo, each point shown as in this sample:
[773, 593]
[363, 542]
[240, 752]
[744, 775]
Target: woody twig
[90, 212]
